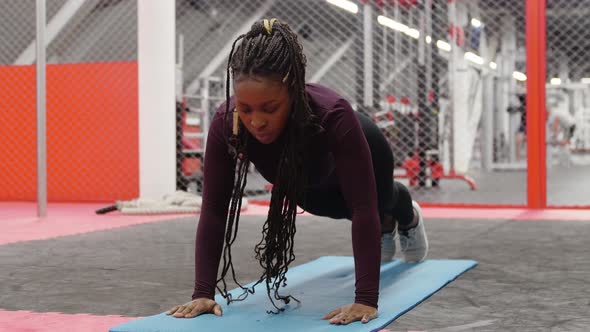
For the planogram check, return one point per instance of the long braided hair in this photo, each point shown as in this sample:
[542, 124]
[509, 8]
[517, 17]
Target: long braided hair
[270, 49]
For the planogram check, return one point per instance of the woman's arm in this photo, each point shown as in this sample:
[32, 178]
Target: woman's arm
[217, 188]
[354, 169]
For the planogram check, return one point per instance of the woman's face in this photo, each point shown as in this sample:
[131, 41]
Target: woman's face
[263, 105]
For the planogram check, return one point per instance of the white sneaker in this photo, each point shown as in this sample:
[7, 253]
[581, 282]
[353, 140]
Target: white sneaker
[413, 242]
[388, 246]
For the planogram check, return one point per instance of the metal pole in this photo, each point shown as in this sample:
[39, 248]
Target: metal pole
[384, 63]
[487, 155]
[421, 122]
[156, 61]
[205, 102]
[41, 113]
[535, 103]
[180, 50]
[368, 55]
[397, 54]
[428, 52]
[452, 81]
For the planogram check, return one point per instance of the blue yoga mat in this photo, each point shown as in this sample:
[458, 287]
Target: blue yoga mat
[321, 285]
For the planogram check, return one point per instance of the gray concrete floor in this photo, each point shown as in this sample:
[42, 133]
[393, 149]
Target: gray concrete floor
[533, 275]
[566, 186]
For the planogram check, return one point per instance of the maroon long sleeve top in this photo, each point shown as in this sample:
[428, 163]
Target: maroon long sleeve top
[340, 147]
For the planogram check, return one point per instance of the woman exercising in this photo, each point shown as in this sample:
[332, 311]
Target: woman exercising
[319, 155]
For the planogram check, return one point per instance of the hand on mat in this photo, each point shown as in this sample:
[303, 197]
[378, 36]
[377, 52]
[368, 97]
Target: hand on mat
[352, 313]
[195, 308]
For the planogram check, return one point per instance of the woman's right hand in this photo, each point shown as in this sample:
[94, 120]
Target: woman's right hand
[196, 307]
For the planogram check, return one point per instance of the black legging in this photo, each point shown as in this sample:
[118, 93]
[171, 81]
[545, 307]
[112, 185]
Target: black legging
[393, 197]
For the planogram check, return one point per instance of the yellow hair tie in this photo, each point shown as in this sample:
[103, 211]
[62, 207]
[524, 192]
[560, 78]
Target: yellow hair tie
[268, 25]
[235, 122]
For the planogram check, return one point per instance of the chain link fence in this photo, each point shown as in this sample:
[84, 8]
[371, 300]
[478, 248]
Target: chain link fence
[92, 106]
[568, 102]
[498, 156]
[444, 80]
[91, 100]
[17, 101]
[438, 77]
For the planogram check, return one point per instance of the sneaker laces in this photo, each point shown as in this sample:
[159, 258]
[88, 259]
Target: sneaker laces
[408, 238]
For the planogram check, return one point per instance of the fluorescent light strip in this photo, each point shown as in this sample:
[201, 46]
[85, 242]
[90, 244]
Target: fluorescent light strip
[555, 81]
[386, 21]
[586, 80]
[394, 25]
[413, 33]
[519, 76]
[443, 45]
[469, 56]
[345, 4]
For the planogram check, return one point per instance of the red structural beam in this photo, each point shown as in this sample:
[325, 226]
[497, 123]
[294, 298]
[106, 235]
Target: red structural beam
[536, 113]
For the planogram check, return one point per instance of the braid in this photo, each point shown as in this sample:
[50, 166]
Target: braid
[237, 150]
[270, 51]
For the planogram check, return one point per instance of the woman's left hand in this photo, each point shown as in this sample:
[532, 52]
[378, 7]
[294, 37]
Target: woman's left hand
[351, 313]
